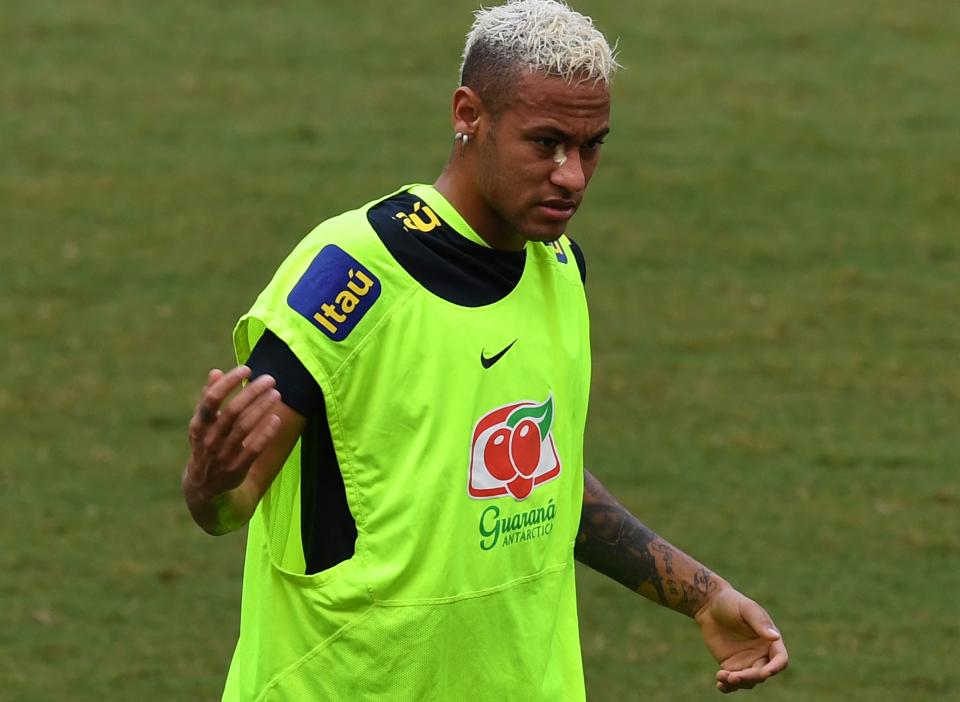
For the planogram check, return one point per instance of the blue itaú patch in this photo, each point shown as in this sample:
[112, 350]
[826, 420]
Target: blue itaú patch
[335, 292]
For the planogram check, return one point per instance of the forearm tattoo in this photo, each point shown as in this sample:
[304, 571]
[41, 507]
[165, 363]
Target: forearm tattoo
[614, 542]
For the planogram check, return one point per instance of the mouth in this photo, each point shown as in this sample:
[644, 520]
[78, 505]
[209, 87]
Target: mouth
[558, 209]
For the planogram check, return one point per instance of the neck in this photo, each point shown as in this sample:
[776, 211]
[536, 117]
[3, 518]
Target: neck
[456, 185]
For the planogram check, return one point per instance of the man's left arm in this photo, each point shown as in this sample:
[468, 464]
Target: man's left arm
[739, 633]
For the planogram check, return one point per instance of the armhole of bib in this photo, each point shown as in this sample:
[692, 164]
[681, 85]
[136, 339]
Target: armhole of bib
[581, 260]
[328, 531]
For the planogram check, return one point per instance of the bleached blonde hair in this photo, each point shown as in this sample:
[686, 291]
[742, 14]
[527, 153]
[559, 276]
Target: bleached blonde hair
[542, 36]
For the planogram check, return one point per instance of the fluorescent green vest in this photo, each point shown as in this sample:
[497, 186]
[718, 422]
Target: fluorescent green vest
[465, 481]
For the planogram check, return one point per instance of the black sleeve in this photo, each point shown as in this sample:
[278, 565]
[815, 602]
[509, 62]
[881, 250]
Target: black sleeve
[298, 388]
[581, 261]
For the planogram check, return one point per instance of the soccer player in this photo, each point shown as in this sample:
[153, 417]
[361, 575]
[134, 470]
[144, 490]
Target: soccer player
[408, 449]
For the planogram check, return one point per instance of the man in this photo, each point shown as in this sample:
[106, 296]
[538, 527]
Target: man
[415, 510]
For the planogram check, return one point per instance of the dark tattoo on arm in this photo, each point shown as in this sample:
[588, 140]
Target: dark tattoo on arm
[614, 542]
[694, 594]
[666, 553]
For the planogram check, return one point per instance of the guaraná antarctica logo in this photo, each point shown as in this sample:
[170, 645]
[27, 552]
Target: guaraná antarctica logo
[515, 528]
[513, 451]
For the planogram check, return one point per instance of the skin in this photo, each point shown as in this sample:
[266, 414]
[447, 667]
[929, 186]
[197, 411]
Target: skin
[738, 632]
[508, 184]
[237, 447]
[521, 177]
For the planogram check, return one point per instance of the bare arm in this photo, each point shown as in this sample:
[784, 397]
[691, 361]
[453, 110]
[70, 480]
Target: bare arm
[614, 542]
[739, 633]
[236, 449]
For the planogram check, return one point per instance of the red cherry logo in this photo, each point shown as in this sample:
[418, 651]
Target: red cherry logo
[520, 487]
[496, 455]
[525, 447]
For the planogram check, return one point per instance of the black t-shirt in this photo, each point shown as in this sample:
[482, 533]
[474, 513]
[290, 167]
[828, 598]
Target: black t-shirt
[448, 265]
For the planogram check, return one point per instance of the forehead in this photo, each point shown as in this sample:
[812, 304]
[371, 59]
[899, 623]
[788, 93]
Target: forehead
[551, 101]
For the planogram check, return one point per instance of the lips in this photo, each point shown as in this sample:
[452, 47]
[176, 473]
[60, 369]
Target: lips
[558, 209]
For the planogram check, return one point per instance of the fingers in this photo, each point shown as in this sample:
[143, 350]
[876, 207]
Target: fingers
[758, 619]
[730, 681]
[249, 419]
[219, 385]
[763, 668]
[201, 415]
[763, 625]
[215, 435]
[753, 674]
[257, 441]
[778, 658]
[210, 424]
[727, 688]
[227, 414]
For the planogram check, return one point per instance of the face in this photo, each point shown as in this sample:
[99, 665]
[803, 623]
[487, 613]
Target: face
[535, 160]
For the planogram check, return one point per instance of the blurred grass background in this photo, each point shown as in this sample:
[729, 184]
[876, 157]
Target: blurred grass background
[774, 274]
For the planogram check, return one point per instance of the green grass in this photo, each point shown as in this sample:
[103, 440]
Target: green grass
[774, 275]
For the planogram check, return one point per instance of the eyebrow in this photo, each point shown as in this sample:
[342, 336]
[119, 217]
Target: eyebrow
[563, 136]
[600, 135]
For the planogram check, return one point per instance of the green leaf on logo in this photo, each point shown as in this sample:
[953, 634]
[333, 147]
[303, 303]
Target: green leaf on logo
[541, 414]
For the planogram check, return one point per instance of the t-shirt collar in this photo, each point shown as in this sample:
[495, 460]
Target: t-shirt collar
[446, 211]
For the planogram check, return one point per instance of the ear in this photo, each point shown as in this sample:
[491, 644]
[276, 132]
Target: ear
[468, 110]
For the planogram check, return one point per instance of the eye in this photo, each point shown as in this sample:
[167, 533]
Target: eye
[593, 145]
[547, 142]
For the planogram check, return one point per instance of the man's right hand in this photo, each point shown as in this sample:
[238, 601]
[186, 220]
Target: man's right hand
[237, 448]
[226, 439]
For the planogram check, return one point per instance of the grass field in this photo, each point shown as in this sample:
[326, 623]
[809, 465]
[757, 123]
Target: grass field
[773, 241]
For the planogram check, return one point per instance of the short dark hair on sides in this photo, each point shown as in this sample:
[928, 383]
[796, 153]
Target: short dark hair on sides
[491, 75]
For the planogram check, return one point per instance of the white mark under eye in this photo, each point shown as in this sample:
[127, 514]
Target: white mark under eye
[560, 155]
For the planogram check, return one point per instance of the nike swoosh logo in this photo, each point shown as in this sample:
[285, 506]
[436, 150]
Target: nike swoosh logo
[487, 362]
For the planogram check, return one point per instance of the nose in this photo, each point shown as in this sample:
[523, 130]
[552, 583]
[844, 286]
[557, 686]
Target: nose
[569, 175]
